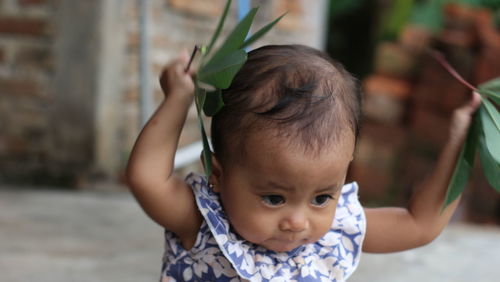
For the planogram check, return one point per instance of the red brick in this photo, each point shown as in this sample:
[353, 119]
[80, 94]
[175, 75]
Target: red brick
[385, 98]
[487, 65]
[487, 32]
[414, 38]
[459, 37]
[19, 87]
[488, 60]
[199, 7]
[2, 55]
[387, 86]
[456, 12]
[32, 2]
[459, 25]
[22, 26]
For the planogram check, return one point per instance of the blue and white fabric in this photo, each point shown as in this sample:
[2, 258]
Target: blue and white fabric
[219, 254]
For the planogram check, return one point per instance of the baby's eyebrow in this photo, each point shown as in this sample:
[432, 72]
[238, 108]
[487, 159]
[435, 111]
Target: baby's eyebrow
[331, 189]
[280, 187]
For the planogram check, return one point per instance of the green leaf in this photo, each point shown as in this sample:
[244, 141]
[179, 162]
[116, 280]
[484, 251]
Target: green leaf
[464, 165]
[207, 155]
[491, 85]
[428, 15]
[491, 89]
[491, 168]
[236, 38]
[213, 103]
[200, 95]
[396, 19]
[219, 27]
[494, 96]
[261, 32]
[490, 119]
[220, 73]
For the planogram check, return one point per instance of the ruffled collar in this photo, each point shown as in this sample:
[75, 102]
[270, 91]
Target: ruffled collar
[333, 258]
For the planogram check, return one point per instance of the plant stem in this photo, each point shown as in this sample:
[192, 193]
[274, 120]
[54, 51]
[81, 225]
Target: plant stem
[440, 58]
[195, 50]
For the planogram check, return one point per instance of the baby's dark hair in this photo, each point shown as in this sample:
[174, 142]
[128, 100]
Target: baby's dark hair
[300, 93]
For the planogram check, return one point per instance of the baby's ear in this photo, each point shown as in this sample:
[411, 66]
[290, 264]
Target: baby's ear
[215, 177]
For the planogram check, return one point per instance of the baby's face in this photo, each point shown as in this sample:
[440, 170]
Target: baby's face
[279, 197]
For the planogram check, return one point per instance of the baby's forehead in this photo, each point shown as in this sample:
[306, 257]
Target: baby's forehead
[278, 159]
[270, 143]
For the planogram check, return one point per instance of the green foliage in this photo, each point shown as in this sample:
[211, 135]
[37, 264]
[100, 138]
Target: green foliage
[427, 14]
[424, 13]
[338, 7]
[214, 103]
[492, 90]
[484, 136]
[464, 165]
[491, 167]
[220, 73]
[489, 118]
[261, 32]
[217, 72]
[218, 29]
[207, 156]
[236, 38]
[396, 19]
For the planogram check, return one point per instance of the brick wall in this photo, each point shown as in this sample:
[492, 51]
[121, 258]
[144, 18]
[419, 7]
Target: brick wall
[69, 84]
[409, 100]
[178, 25]
[26, 66]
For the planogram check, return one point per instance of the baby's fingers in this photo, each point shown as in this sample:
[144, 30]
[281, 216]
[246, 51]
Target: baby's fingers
[462, 118]
[472, 105]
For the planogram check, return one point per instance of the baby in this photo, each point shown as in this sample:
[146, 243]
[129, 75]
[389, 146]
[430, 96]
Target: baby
[276, 207]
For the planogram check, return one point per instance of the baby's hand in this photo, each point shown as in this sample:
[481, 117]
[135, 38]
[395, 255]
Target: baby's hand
[174, 80]
[462, 118]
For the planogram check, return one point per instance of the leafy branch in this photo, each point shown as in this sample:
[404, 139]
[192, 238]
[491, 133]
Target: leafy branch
[218, 70]
[483, 136]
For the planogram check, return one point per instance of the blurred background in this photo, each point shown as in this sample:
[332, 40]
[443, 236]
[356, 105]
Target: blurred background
[78, 79]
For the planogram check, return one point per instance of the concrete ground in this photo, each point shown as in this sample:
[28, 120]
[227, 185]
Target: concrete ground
[90, 236]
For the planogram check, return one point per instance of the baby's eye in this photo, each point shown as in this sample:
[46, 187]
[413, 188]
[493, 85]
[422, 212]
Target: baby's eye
[273, 200]
[321, 200]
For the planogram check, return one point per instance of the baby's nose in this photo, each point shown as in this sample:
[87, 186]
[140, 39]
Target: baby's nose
[295, 222]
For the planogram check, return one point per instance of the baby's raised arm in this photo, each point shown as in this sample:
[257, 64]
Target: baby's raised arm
[397, 229]
[162, 195]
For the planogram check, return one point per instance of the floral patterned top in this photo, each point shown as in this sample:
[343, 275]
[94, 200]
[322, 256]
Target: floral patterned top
[219, 254]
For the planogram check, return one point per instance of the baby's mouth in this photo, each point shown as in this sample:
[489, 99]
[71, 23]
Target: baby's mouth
[286, 245]
[294, 242]
[293, 238]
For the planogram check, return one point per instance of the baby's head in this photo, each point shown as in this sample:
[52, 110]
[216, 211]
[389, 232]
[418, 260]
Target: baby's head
[283, 143]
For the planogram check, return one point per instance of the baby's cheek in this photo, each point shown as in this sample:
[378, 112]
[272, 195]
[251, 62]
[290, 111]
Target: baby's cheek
[254, 228]
[324, 224]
